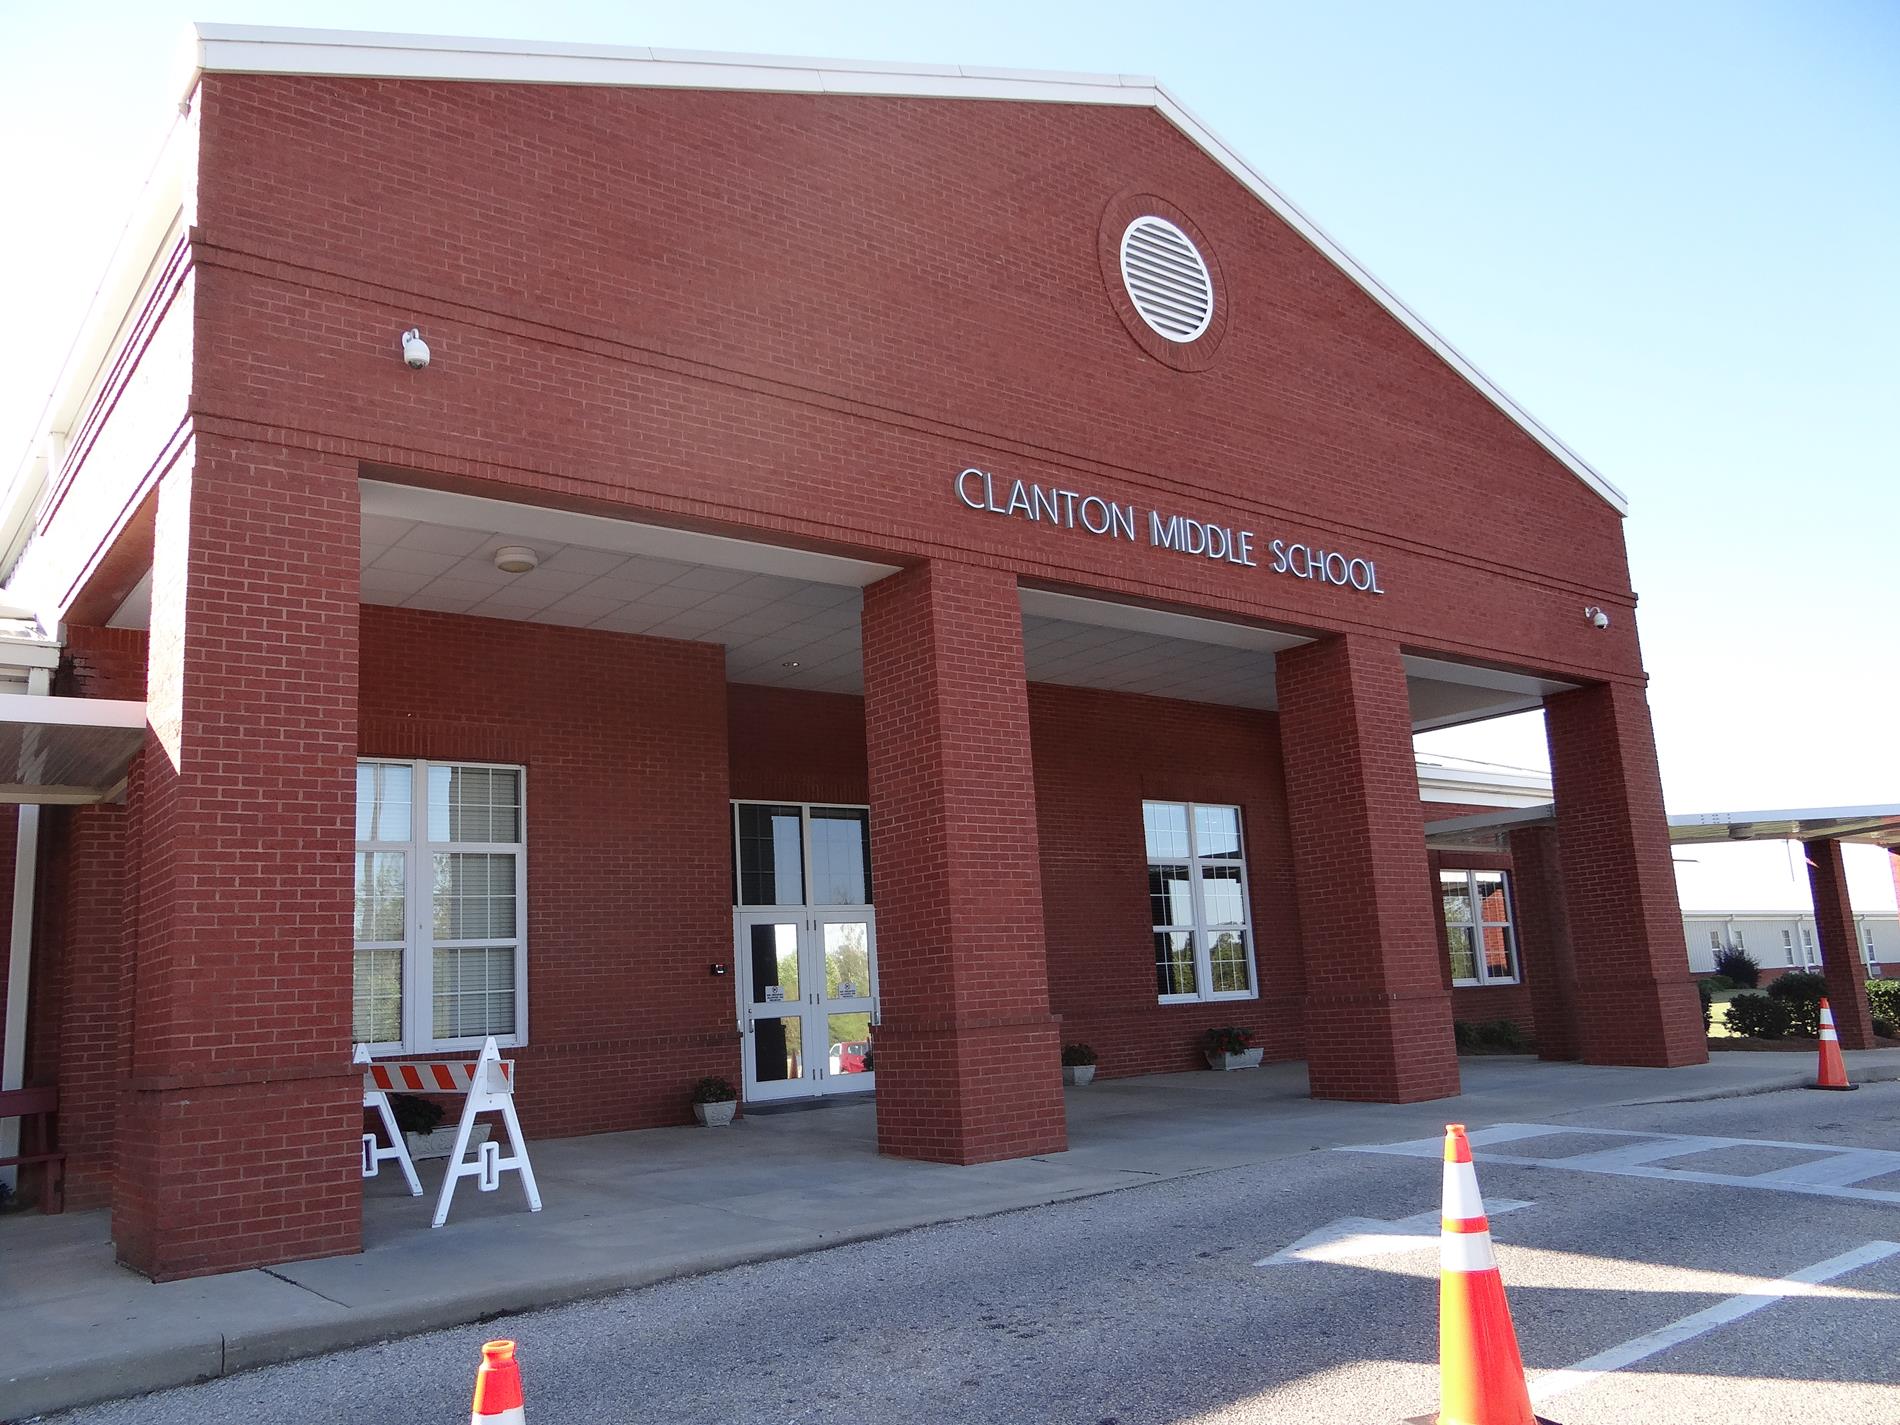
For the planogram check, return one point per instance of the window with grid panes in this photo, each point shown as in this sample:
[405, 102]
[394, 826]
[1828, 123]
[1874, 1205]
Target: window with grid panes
[441, 910]
[1197, 894]
[1478, 930]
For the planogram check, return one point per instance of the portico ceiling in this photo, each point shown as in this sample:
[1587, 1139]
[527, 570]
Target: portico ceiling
[789, 617]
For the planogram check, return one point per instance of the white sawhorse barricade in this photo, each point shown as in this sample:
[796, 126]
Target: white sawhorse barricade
[489, 1083]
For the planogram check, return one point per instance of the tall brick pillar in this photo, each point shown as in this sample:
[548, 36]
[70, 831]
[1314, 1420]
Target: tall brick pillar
[1378, 1015]
[1635, 1002]
[1543, 936]
[967, 1051]
[242, 1125]
[1841, 960]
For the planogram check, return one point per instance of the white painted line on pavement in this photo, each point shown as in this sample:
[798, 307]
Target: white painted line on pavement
[1801, 1283]
[1351, 1237]
[1830, 1176]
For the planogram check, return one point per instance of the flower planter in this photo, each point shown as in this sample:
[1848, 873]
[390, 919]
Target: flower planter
[1078, 1074]
[1248, 1060]
[441, 1142]
[714, 1115]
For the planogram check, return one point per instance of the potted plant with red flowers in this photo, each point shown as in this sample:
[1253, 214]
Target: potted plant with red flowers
[1228, 1048]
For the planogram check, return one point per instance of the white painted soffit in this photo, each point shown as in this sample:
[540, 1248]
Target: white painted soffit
[1136, 618]
[529, 523]
[1486, 829]
[251, 49]
[66, 751]
[1873, 825]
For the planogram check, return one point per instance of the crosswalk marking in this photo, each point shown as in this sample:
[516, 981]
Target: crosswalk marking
[1832, 1174]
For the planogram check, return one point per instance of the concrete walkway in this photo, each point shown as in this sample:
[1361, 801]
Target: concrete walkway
[628, 1209]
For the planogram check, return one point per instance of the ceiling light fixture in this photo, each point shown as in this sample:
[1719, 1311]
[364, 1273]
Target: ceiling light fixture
[516, 559]
[789, 663]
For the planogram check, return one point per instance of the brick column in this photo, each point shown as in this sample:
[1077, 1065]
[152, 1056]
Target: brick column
[968, 1068]
[1548, 962]
[1635, 1002]
[242, 1123]
[1378, 1015]
[1841, 960]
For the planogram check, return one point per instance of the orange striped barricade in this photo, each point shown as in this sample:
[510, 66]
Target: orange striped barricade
[488, 1084]
[376, 1097]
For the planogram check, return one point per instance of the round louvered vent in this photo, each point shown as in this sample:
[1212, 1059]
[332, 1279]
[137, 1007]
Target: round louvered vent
[1166, 279]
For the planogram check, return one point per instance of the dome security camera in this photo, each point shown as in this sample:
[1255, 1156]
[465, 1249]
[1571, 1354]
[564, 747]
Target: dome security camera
[415, 351]
[1598, 619]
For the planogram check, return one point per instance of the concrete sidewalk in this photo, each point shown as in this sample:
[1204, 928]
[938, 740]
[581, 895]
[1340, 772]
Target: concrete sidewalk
[625, 1210]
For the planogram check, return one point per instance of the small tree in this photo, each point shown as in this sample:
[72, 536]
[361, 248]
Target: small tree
[1739, 966]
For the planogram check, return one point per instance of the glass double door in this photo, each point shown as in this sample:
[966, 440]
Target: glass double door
[807, 1000]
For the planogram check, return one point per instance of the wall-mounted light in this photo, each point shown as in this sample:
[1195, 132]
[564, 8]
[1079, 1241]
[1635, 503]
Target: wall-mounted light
[415, 351]
[1598, 619]
[516, 559]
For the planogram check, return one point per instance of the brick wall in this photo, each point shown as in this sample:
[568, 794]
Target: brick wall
[735, 351]
[967, 1048]
[1098, 756]
[236, 1138]
[629, 890]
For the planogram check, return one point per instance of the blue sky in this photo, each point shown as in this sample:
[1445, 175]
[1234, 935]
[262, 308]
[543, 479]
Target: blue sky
[1668, 230]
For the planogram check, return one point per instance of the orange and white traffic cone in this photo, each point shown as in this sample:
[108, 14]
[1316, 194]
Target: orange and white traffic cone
[1480, 1374]
[1833, 1070]
[497, 1387]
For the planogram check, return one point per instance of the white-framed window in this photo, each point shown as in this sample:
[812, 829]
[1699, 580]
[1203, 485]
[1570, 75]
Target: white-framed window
[1715, 940]
[1197, 893]
[1735, 937]
[1478, 929]
[800, 853]
[1867, 943]
[441, 905]
[1807, 945]
[1787, 944]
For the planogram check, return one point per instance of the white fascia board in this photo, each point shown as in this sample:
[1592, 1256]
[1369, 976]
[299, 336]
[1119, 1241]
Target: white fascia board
[157, 214]
[356, 54]
[248, 49]
[70, 712]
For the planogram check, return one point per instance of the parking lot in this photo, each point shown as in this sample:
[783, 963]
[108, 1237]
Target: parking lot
[1649, 1260]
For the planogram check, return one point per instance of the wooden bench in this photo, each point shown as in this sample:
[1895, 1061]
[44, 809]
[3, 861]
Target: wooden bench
[38, 1112]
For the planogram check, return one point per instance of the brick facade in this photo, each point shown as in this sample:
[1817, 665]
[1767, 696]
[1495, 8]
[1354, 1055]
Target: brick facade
[1635, 1006]
[967, 1047]
[734, 355]
[1841, 960]
[1378, 1019]
[629, 892]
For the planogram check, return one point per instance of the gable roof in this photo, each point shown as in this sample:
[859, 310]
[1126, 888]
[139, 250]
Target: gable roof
[246, 49]
[250, 49]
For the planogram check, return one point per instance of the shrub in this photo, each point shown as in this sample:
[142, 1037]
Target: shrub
[1077, 1056]
[1229, 1039]
[1739, 966]
[713, 1090]
[1758, 1017]
[415, 1115]
[1499, 1035]
[1707, 994]
[1801, 992]
[1882, 1027]
[1883, 999]
[1718, 983]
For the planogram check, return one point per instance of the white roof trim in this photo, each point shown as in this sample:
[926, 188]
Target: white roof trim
[356, 54]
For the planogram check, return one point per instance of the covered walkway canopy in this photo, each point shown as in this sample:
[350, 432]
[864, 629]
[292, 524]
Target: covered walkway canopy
[66, 751]
[1872, 825]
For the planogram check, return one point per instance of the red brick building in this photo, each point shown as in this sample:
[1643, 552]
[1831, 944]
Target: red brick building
[946, 550]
